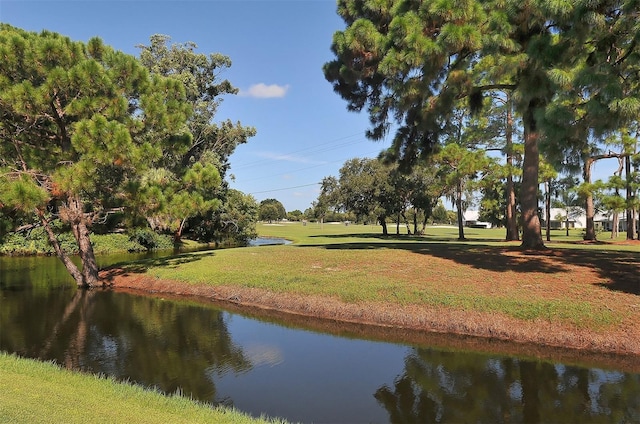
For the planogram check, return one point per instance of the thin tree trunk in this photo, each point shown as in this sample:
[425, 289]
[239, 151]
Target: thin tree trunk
[531, 234]
[630, 214]
[615, 223]
[616, 214]
[80, 231]
[177, 236]
[547, 208]
[415, 221]
[383, 222]
[424, 223]
[64, 258]
[406, 222]
[634, 220]
[590, 210]
[459, 208]
[512, 222]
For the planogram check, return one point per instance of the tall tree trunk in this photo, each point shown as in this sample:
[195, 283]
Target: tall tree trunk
[64, 258]
[630, 214]
[616, 214]
[590, 210]
[459, 208]
[80, 230]
[547, 208]
[512, 222]
[383, 222]
[177, 236]
[531, 234]
[88, 257]
[415, 221]
[424, 223]
[634, 216]
[615, 223]
[406, 222]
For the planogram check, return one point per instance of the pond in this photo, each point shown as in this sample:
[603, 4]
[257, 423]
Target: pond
[283, 369]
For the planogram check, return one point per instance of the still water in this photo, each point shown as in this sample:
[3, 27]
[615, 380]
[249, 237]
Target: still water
[273, 368]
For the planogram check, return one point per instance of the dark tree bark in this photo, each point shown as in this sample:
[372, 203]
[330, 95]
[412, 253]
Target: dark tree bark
[80, 229]
[531, 231]
[630, 211]
[64, 258]
[512, 222]
[74, 215]
[590, 210]
[547, 208]
[383, 222]
[615, 221]
[459, 208]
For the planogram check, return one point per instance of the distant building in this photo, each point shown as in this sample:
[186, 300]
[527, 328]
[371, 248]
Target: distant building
[558, 221]
[470, 219]
[605, 222]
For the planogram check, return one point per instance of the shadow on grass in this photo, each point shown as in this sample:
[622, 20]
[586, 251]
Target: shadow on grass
[142, 266]
[621, 269]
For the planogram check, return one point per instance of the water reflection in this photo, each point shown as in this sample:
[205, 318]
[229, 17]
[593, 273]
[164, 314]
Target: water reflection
[441, 386]
[301, 375]
[147, 341]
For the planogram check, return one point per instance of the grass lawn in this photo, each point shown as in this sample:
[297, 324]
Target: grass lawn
[38, 392]
[579, 295]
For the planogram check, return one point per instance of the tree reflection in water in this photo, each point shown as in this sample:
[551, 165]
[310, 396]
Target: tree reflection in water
[301, 375]
[173, 346]
[439, 386]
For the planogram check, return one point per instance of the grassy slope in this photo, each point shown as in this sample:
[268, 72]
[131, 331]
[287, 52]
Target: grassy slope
[37, 392]
[353, 264]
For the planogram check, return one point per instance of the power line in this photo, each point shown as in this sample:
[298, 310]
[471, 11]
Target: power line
[317, 148]
[283, 189]
[262, 177]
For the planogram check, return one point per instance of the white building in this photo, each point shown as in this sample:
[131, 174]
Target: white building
[470, 219]
[558, 221]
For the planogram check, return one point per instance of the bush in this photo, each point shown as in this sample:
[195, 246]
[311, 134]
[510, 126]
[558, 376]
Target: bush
[149, 239]
[35, 242]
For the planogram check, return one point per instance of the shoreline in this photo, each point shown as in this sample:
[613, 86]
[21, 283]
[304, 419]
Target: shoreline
[457, 329]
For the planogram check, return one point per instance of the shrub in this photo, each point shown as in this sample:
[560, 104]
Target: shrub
[148, 239]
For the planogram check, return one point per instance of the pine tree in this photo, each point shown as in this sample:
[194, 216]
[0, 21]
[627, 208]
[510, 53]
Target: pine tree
[409, 62]
[80, 127]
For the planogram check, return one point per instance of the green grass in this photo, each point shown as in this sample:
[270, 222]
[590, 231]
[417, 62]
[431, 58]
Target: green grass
[356, 264]
[38, 392]
[316, 233]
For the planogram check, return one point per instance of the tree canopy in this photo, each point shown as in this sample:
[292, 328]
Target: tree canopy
[374, 190]
[407, 63]
[211, 145]
[83, 128]
[271, 210]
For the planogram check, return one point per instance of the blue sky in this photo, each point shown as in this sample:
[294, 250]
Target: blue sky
[277, 49]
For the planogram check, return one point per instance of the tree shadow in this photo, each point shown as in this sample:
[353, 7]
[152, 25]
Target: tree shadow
[142, 266]
[621, 269]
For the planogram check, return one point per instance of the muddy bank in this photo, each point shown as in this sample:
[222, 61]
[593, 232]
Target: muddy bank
[453, 328]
